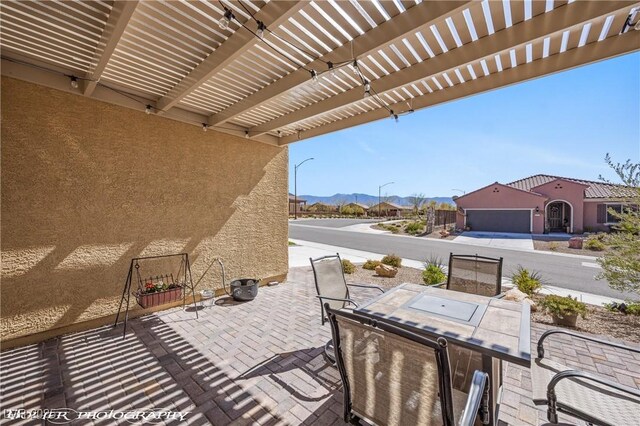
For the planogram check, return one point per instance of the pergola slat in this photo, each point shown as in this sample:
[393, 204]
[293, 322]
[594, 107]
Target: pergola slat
[117, 23]
[388, 32]
[611, 47]
[513, 38]
[273, 14]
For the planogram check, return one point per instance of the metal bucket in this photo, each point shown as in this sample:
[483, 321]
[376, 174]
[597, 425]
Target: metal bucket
[244, 289]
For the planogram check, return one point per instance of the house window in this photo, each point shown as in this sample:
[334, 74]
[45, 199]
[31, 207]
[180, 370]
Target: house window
[610, 217]
[605, 215]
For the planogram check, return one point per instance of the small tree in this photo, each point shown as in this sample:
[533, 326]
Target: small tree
[417, 202]
[621, 265]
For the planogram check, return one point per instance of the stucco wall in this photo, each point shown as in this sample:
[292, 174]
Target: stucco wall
[87, 185]
[498, 196]
[590, 222]
[571, 192]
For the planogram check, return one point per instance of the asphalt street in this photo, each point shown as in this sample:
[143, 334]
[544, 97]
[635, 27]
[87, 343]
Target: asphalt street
[569, 272]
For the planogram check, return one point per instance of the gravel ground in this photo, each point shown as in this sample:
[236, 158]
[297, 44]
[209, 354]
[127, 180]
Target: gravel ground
[598, 321]
[405, 275]
[563, 247]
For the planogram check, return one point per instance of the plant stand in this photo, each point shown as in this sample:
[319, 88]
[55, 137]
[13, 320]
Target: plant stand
[149, 300]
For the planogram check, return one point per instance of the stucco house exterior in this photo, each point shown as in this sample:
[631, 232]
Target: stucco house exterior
[388, 209]
[302, 204]
[541, 204]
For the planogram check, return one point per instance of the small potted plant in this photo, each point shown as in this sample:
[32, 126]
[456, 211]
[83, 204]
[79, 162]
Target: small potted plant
[564, 310]
[158, 293]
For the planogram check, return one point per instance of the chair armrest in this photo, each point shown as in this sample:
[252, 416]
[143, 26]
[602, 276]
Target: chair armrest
[498, 296]
[581, 336]
[477, 401]
[366, 286]
[323, 298]
[587, 376]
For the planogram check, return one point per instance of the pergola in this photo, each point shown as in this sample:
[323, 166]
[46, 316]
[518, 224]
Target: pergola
[283, 71]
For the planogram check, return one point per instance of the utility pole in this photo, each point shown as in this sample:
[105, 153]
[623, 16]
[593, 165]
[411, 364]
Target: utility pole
[295, 187]
[379, 196]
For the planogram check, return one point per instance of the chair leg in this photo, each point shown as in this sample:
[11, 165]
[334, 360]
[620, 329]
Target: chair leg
[329, 352]
[552, 414]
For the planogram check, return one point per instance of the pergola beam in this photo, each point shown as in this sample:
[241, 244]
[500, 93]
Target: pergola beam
[420, 16]
[596, 51]
[517, 36]
[117, 22]
[272, 14]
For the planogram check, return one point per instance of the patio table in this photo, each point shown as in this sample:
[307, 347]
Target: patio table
[489, 330]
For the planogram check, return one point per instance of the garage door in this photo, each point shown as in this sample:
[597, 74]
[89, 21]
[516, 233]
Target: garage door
[500, 220]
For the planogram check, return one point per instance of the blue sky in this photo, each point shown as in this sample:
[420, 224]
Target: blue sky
[562, 124]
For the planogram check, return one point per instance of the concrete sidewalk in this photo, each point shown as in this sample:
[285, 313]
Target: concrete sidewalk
[303, 250]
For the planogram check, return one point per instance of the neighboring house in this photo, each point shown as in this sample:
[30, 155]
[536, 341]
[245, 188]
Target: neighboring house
[292, 202]
[388, 209]
[540, 204]
[321, 208]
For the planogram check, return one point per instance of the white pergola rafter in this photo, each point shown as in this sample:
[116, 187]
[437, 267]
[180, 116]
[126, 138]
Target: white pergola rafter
[119, 18]
[273, 14]
[420, 16]
[609, 48]
[526, 32]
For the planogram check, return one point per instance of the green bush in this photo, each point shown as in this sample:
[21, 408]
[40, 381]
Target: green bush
[594, 244]
[392, 260]
[414, 228]
[371, 264]
[348, 267]
[563, 306]
[527, 282]
[433, 273]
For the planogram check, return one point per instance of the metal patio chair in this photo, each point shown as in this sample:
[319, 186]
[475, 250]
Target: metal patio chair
[394, 377]
[333, 289]
[586, 396]
[474, 274]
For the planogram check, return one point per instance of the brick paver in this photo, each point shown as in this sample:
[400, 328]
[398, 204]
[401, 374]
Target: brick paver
[259, 362]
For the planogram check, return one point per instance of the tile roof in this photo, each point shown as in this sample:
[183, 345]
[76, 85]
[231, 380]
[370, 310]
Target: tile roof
[594, 190]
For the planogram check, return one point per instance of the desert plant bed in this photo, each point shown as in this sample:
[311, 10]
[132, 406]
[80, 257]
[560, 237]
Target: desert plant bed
[562, 246]
[599, 320]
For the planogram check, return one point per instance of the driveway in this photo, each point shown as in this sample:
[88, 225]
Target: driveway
[496, 239]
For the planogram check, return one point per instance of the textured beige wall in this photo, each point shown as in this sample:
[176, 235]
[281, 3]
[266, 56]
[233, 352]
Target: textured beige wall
[87, 185]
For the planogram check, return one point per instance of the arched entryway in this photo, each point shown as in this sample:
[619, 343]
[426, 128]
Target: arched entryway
[559, 216]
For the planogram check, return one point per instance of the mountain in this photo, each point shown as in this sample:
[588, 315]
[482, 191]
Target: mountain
[367, 199]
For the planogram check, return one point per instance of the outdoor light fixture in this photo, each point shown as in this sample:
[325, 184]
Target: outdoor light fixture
[204, 127]
[226, 19]
[332, 70]
[367, 89]
[74, 82]
[356, 71]
[260, 31]
[147, 110]
[246, 134]
[537, 209]
[314, 76]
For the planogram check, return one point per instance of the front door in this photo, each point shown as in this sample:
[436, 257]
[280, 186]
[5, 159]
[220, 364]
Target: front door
[555, 217]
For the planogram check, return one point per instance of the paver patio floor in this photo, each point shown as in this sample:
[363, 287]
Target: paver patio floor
[253, 363]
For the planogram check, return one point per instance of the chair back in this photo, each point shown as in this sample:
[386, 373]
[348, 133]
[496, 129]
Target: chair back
[391, 376]
[475, 274]
[330, 281]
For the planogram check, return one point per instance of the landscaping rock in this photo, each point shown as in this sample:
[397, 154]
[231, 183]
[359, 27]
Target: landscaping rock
[517, 296]
[386, 271]
[575, 242]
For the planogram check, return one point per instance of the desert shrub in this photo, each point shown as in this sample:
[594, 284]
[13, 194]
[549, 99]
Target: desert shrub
[594, 244]
[371, 264]
[414, 228]
[433, 273]
[392, 260]
[562, 306]
[348, 267]
[527, 282]
[347, 210]
[391, 228]
[553, 246]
